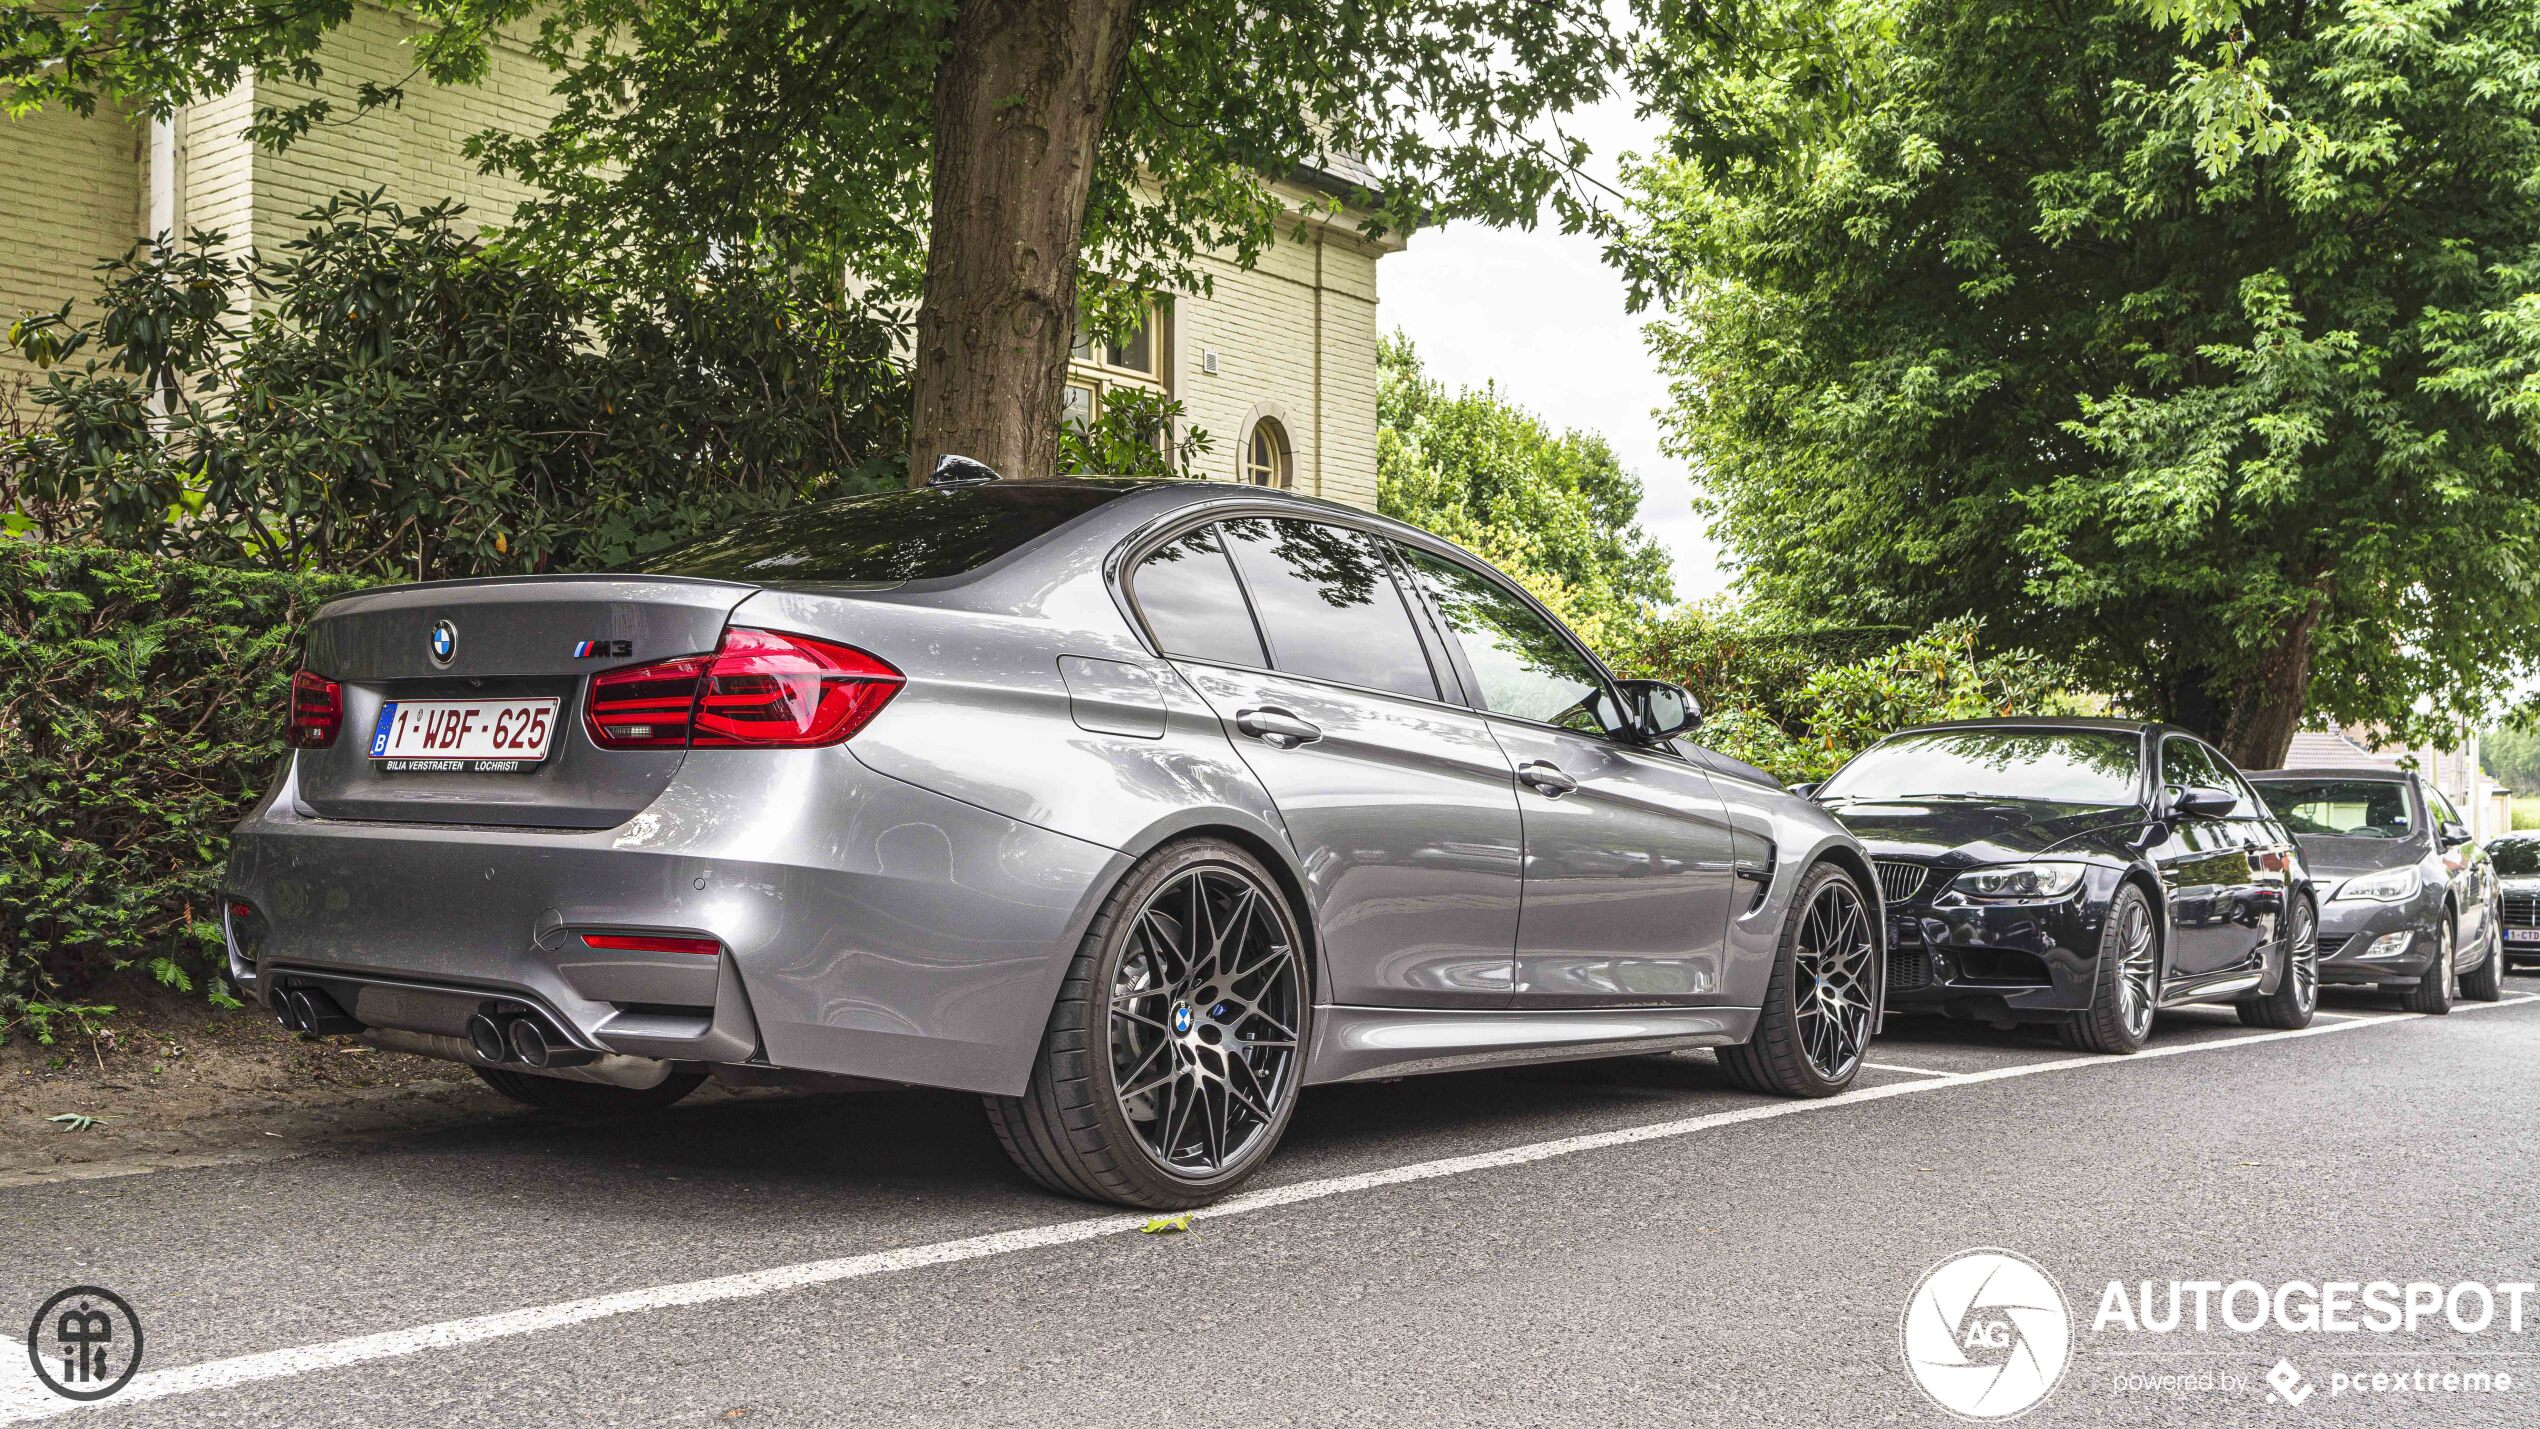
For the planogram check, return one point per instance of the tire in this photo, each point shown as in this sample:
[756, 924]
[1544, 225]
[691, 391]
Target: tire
[2297, 992]
[588, 1100]
[1145, 1002]
[2433, 993]
[2487, 982]
[2125, 986]
[1820, 1005]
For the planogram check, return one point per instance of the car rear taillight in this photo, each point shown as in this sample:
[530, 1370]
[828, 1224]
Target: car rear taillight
[760, 689]
[317, 711]
[649, 943]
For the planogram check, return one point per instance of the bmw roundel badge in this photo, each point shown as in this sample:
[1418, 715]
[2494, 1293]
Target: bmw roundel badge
[445, 642]
[1182, 1018]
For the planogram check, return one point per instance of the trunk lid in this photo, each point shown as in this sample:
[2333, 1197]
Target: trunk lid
[511, 638]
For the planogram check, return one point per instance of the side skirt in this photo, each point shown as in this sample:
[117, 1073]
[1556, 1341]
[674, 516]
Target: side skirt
[1357, 1043]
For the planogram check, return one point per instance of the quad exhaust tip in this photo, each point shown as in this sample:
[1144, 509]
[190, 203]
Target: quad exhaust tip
[310, 1010]
[499, 1037]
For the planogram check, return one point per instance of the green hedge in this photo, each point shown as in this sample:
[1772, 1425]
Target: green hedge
[141, 706]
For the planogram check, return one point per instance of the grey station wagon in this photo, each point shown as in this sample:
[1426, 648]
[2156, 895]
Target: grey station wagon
[1135, 807]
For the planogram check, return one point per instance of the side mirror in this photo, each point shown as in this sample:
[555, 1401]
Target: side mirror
[1804, 791]
[1661, 710]
[2203, 803]
[2452, 834]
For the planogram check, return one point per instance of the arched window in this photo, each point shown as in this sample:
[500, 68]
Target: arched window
[1266, 458]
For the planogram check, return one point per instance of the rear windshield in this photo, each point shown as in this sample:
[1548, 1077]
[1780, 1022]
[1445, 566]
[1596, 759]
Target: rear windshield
[896, 536]
[2348, 808]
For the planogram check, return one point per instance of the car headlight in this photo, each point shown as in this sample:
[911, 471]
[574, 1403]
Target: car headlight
[2388, 886]
[2020, 880]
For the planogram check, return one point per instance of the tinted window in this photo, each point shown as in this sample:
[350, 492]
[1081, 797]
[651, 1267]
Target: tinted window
[1329, 606]
[2515, 857]
[2443, 809]
[2186, 765]
[1187, 593]
[1526, 667]
[897, 536]
[2053, 766]
[2352, 808]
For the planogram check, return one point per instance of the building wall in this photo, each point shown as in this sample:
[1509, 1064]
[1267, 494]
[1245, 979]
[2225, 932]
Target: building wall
[70, 195]
[1294, 338]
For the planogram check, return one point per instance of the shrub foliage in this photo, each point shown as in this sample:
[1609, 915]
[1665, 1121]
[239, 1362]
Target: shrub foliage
[140, 715]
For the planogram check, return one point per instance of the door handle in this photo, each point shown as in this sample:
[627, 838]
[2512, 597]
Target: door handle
[1546, 779]
[1278, 728]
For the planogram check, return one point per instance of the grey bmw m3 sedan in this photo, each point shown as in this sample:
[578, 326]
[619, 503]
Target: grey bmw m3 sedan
[1134, 807]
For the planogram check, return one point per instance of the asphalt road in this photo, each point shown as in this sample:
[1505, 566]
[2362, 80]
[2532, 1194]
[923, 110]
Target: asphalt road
[1621, 1243]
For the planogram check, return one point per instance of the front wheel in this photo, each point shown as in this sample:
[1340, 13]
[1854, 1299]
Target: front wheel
[2126, 984]
[1173, 1057]
[1820, 1006]
[2486, 982]
[2297, 991]
[2432, 995]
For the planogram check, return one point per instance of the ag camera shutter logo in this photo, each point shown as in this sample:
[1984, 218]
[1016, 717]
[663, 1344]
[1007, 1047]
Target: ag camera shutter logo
[1986, 1334]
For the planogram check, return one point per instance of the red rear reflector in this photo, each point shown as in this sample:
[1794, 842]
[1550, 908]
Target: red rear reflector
[760, 689]
[241, 910]
[317, 711]
[649, 943]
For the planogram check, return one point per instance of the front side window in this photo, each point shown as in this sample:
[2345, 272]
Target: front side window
[2186, 765]
[2342, 808]
[1329, 605]
[1187, 592]
[2090, 768]
[1526, 666]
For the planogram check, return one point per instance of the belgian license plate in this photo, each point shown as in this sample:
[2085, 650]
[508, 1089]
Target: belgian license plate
[462, 736]
[2522, 935]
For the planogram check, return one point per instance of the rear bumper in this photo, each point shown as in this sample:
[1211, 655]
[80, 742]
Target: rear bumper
[868, 927]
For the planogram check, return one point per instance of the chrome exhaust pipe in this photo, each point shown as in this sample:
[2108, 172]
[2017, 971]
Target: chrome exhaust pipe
[286, 1010]
[485, 1038]
[531, 1044]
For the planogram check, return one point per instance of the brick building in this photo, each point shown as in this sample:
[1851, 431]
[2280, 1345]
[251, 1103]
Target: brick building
[1277, 365]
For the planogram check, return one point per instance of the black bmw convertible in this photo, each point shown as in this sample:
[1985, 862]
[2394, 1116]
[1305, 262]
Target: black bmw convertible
[2080, 872]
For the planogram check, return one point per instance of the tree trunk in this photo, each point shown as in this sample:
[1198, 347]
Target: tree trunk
[1020, 105]
[2264, 718]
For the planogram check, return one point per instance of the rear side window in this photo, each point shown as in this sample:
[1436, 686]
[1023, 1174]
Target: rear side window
[1187, 592]
[897, 536]
[1329, 605]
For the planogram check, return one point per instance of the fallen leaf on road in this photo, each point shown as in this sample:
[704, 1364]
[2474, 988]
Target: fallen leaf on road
[1166, 1225]
[77, 1121]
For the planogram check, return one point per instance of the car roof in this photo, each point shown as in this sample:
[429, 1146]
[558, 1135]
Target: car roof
[2084, 723]
[2359, 776]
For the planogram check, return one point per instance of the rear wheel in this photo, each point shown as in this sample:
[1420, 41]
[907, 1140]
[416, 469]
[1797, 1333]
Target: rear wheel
[1173, 1057]
[1820, 1005]
[2126, 986]
[587, 1099]
[2486, 982]
[2433, 993]
[2297, 991]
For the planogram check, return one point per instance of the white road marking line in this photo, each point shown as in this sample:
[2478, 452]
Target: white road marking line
[30, 1401]
[1917, 1071]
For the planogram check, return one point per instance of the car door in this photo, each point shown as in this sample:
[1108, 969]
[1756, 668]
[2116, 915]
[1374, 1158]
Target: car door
[2210, 873]
[1631, 869]
[2467, 868]
[1400, 806]
[2274, 858]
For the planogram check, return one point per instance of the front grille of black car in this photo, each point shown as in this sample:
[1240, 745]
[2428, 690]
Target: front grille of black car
[1899, 882]
[1908, 969]
[2522, 910]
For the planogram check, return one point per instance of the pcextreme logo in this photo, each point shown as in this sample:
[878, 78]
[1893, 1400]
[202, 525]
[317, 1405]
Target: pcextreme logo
[1986, 1334]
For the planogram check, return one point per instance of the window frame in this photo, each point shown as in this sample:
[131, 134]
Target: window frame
[1284, 468]
[1471, 682]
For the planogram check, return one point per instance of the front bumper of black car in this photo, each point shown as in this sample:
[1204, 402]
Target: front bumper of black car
[1996, 960]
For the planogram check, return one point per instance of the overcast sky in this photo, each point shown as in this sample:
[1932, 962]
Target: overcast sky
[1541, 315]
